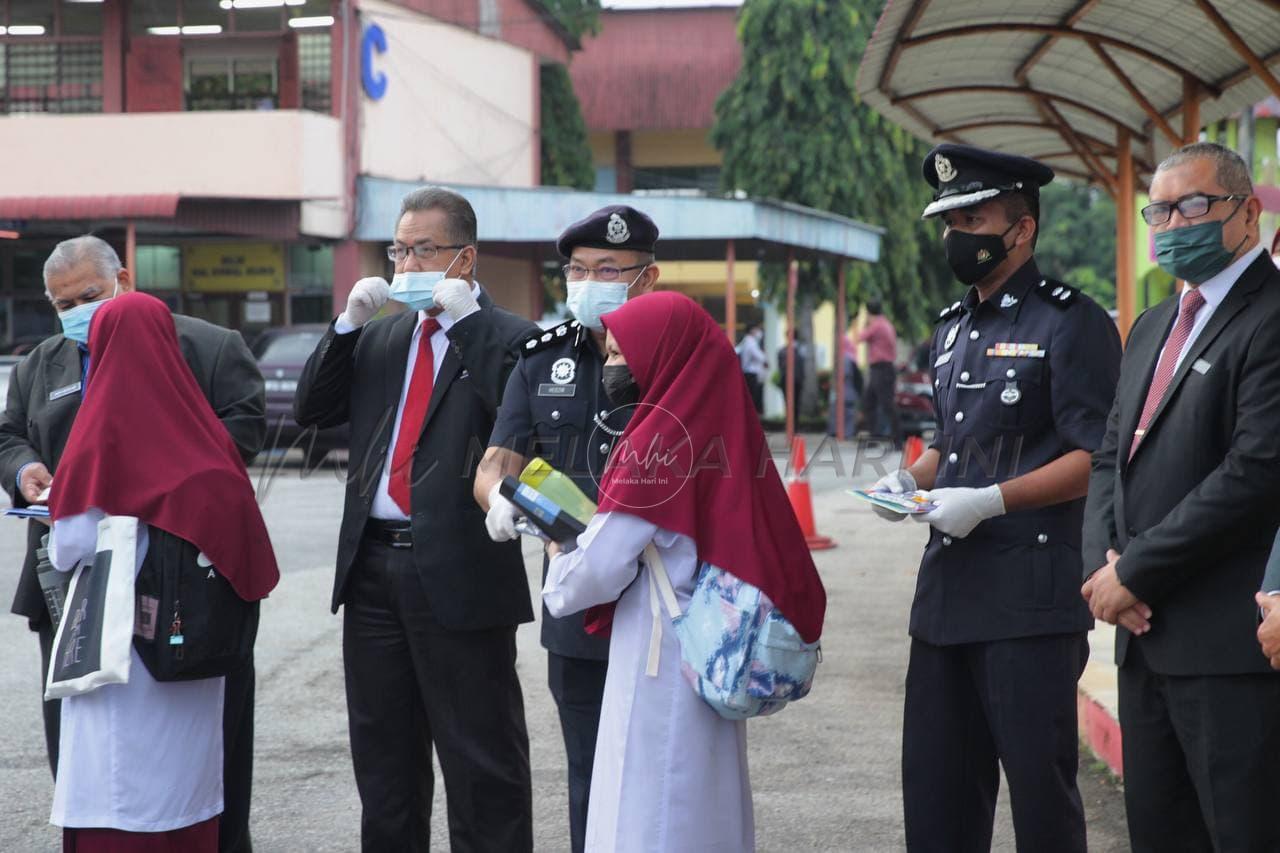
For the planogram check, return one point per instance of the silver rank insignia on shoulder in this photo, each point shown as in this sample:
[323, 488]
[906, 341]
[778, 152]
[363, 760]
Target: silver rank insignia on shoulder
[562, 371]
[951, 337]
[1010, 395]
[1008, 301]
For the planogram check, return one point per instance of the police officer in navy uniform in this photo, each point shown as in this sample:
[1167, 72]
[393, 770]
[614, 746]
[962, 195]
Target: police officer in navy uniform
[1024, 371]
[555, 407]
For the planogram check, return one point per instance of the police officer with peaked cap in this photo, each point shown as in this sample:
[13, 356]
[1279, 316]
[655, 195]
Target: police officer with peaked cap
[555, 407]
[1024, 371]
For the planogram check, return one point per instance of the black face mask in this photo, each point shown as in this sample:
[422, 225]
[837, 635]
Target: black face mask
[973, 256]
[619, 385]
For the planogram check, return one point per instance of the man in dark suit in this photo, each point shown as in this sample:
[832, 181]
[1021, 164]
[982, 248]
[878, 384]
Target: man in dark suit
[1183, 506]
[431, 602]
[44, 397]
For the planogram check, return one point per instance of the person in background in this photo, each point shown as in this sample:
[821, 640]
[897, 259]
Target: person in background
[755, 364]
[555, 406]
[670, 773]
[878, 404]
[430, 602]
[140, 763]
[852, 390]
[46, 391]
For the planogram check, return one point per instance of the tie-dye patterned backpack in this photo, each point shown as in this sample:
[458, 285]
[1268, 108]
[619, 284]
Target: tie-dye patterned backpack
[738, 651]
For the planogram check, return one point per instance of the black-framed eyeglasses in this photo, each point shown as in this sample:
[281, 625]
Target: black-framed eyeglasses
[577, 272]
[1191, 206]
[423, 252]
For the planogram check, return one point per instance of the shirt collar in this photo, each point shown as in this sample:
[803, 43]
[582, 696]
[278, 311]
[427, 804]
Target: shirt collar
[1216, 289]
[1009, 298]
[446, 322]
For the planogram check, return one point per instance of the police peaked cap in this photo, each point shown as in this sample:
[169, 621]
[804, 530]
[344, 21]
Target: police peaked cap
[962, 175]
[615, 227]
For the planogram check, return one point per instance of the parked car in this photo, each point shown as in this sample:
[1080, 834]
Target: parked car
[281, 354]
[7, 364]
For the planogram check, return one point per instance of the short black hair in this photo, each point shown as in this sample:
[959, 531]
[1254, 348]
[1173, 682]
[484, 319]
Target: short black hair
[460, 217]
[1017, 205]
[874, 307]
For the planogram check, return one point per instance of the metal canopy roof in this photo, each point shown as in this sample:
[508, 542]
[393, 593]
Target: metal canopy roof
[692, 227]
[1060, 80]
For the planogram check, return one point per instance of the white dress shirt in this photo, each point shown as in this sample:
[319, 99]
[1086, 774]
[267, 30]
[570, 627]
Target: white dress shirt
[383, 506]
[1214, 291]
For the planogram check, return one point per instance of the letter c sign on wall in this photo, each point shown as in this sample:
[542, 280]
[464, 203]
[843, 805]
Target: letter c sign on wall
[374, 82]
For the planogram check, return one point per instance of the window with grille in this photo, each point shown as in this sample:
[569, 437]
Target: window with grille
[313, 71]
[51, 77]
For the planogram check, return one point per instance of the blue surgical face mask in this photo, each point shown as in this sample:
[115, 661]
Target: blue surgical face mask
[589, 300]
[75, 321]
[416, 288]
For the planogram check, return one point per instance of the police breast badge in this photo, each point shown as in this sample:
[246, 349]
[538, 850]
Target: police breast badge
[617, 230]
[562, 371]
[951, 337]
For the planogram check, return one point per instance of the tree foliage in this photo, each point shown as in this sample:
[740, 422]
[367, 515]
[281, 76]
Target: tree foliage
[791, 127]
[577, 16]
[566, 155]
[1077, 241]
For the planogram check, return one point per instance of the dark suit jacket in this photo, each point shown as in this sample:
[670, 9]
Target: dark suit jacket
[471, 581]
[1195, 512]
[34, 427]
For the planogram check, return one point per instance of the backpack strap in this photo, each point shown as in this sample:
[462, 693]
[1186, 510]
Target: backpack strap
[660, 593]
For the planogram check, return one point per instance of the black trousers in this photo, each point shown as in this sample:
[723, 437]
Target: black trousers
[972, 708]
[413, 685]
[1201, 759]
[237, 745]
[879, 401]
[577, 685]
[756, 388]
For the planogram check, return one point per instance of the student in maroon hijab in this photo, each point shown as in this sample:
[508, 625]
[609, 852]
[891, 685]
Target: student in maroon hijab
[140, 763]
[692, 475]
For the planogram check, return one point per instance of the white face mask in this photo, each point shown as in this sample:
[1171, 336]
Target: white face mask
[590, 300]
[417, 288]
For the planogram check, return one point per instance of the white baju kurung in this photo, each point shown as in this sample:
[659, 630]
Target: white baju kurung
[670, 773]
[145, 756]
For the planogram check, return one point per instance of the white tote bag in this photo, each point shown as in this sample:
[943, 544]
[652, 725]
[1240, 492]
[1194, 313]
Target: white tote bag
[94, 639]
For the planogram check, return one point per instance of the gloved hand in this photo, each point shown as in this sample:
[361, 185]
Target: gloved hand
[501, 520]
[962, 509]
[454, 296]
[895, 482]
[366, 300]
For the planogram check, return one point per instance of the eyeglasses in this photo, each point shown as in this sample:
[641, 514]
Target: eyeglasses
[423, 252]
[1191, 206]
[574, 272]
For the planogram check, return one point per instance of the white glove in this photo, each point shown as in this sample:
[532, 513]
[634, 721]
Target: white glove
[454, 296]
[961, 510]
[366, 300]
[501, 520]
[895, 482]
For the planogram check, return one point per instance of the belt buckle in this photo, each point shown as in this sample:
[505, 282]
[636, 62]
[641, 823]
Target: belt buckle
[400, 538]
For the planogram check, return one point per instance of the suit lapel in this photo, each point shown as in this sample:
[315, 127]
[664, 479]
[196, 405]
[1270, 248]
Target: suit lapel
[396, 357]
[449, 370]
[1145, 352]
[64, 371]
[1237, 299]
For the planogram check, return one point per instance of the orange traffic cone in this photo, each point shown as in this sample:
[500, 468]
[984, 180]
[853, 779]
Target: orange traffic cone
[912, 450]
[802, 499]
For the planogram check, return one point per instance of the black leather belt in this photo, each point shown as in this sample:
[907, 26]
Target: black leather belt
[397, 534]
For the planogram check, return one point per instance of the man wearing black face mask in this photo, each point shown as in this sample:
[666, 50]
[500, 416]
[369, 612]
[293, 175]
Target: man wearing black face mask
[1182, 515]
[1024, 370]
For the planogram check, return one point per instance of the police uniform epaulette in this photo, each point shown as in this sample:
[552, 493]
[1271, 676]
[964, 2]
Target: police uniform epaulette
[1056, 293]
[541, 340]
[948, 313]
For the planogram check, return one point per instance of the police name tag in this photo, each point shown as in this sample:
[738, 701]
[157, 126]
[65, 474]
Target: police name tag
[64, 391]
[549, 389]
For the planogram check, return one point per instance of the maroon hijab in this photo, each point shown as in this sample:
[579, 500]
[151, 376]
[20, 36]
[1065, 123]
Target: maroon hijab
[146, 443]
[693, 458]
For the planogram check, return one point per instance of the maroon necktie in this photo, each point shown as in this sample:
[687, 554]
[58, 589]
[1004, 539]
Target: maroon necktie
[416, 403]
[1168, 362]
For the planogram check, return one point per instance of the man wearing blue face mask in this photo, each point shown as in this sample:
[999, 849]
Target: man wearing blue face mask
[1181, 516]
[80, 276]
[430, 603]
[555, 406]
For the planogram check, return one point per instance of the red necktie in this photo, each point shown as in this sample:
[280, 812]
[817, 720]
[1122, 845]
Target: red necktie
[416, 403]
[1168, 361]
